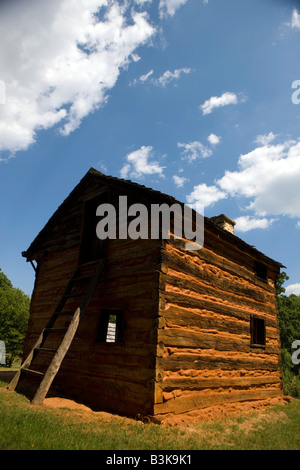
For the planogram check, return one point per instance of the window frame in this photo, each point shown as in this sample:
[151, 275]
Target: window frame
[261, 271]
[255, 321]
[102, 327]
[89, 224]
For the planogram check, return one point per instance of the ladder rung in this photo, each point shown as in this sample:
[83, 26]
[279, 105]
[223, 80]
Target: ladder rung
[76, 294]
[47, 350]
[66, 312]
[81, 278]
[56, 329]
[89, 263]
[35, 372]
[59, 353]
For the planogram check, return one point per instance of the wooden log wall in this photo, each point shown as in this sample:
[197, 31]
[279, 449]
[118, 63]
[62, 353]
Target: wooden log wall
[116, 377]
[186, 337]
[119, 377]
[204, 355]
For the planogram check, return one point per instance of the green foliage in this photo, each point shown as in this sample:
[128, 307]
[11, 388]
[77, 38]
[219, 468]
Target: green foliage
[291, 375]
[280, 281]
[289, 325]
[289, 319]
[14, 314]
[4, 281]
[291, 384]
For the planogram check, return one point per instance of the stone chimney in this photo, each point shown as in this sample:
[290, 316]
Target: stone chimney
[224, 222]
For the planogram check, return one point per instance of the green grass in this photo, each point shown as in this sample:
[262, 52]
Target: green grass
[15, 366]
[23, 427]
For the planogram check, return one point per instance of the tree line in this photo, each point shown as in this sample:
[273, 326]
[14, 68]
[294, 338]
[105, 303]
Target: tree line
[14, 315]
[289, 326]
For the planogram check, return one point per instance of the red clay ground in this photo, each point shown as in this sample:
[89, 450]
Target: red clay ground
[181, 420]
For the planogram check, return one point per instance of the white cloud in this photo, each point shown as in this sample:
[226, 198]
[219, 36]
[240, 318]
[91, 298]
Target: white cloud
[135, 57]
[179, 180]
[59, 61]
[194, 150]
[295, 19]
[169, 76]
[2, 92]
[213, 139]
[144, 78]
[270, 176]
[246, 223]
[217, 101]
[265, 139]
[164, 79]
[169, 7]
[293, 289]
[138, 164]
[102, 166]
[205, 195]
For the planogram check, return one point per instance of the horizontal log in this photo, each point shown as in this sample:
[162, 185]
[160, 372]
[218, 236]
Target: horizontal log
[214, 305]
[187, 338]
[191, 287]
[219, 382]
[215, 276]
[127, 250]
[240, 251]
[141, 375]
[221, 260]
[206, 319]
[184, 361]
[192, 402]
[85, 378]
[105, 394]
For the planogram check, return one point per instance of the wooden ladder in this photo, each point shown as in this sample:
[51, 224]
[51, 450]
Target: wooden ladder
[69, 333]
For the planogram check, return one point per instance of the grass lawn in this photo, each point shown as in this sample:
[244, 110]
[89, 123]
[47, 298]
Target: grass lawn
[23, 427]
[15, 366]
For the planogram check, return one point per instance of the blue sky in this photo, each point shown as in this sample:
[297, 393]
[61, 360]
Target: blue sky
[193, 98]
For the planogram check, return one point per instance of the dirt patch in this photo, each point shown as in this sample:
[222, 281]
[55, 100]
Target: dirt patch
[65, 403]
[72, 408]
[217, 412]
[183, 421]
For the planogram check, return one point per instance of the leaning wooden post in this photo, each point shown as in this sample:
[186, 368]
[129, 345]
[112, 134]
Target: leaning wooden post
[57, 360]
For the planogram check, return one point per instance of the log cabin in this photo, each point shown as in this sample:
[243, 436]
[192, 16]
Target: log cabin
[157, 329]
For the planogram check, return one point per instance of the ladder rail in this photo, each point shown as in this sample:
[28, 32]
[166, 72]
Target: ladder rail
[26, 363]
[63, 348]
[57, 360]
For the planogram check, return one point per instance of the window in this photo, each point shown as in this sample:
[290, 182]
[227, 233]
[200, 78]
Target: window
[258, 331]
[92, 248]
[110, 326]
[261, 271]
